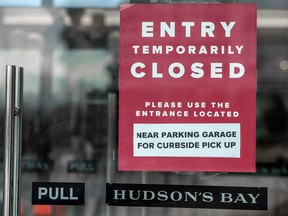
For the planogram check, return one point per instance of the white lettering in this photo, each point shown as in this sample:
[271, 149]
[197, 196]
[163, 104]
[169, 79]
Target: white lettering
[239, 49]
[207, 197]
[134, 67]
[253, 197]
[146, 195]
[135, 47]
[155, 73]
[121, 195]
[42, 191]
[147, 29]
[162, 196]
[169, 49]
[207, 28]
[188, 26]
[241, 70]
[62, 197]
[172, 72]
[168, 29]
[197, 71]
[178, 194]
[51, 193]
[131, 195]
[240, 198]
[193, 197]
[72, 197]
[164, 28]
[226, 197]
[216, 70]
[227, 28]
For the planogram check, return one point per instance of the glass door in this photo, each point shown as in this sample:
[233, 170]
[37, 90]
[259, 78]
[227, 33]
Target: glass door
[70, 120]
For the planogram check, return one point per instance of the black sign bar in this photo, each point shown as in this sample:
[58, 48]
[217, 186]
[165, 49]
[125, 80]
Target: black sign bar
[54, 193]
[84, 166]
[34, 166]
[272, 169]
[185, 196]
[37, 166]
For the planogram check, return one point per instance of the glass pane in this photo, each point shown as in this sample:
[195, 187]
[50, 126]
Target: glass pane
[70, 128]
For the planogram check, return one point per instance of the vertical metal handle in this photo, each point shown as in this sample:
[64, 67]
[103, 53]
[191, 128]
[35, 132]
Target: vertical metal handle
[9, 138]
[16, 189]
[13, 140]
[112, 128]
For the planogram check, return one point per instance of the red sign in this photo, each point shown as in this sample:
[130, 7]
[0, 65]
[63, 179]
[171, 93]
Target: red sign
[187, 87]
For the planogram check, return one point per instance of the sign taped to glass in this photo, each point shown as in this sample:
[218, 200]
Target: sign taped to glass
[187, 87]
[186, 196]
